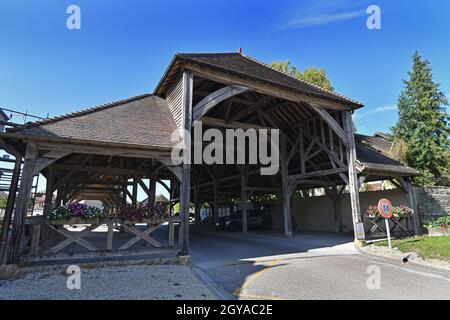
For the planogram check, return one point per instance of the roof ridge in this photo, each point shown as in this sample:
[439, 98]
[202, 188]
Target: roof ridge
[85, 111]
[206, 53]
[301, 80]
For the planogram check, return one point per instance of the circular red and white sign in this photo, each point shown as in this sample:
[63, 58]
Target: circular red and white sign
[385, 208]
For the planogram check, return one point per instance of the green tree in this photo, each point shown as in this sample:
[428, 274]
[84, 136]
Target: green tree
[3, 203]
[313, 75]
[423, 125]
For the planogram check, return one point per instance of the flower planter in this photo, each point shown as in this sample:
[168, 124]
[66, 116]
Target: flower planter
[153, 221]
[76, 220]
[437, 232]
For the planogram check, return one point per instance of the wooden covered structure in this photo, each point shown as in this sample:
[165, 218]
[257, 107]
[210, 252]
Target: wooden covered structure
[94, 153]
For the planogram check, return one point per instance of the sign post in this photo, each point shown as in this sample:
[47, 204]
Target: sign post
[385, 209]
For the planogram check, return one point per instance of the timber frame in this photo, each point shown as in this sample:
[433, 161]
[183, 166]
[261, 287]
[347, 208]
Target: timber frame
[317, 147]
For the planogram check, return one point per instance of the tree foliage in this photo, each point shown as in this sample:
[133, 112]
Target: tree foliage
[313, 75]
[423, 125]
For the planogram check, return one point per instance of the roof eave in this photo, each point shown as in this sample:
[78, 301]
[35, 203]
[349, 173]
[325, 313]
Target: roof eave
[178, 57]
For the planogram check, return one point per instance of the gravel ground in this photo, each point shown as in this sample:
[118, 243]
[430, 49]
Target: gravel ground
[125, 282]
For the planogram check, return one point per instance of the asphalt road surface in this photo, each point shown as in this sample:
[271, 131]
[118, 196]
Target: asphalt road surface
[307, 266]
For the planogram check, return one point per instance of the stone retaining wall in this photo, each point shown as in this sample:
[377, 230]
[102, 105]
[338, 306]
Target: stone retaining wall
[433, 202]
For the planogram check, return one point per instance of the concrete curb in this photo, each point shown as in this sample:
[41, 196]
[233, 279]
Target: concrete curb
[220, 292]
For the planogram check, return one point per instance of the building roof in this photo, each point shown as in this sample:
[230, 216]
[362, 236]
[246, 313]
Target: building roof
[242, 65]
[143, 120]
[379, 141]
[372, 160]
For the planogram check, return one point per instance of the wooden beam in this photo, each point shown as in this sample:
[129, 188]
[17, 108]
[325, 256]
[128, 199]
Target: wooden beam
[244, 200]
[185, 187]
[264, 88]
[285, 188]
[23, 201]
[334, 125]
[318, 173]
[101, 169]
[10, 206]
[215, 122]
[214, 99]
[352, 176]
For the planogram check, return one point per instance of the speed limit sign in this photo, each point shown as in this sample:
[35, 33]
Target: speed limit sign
[385, 208]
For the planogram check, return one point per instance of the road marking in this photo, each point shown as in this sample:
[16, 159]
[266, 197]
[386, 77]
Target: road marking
[255, 296]
[431, 275]
[256, 275]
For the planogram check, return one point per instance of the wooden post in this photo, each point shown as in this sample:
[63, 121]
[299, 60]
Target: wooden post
[110, 235]
[49, 191]
[185, 188]
[353, 177]
[124, 191]
[23, 200]
[59, 196]
[285, 187]
[215, 201]
[336, 198]
[244, 200]
[152, 188]
[134, 192]
[197, 204]
[10, 207]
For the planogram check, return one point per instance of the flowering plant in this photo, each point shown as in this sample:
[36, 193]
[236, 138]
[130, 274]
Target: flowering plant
[442, 222]
[75, 209]
[134, 213]
[60, 213]
[397, 211]
[402, 211]
[372, 211]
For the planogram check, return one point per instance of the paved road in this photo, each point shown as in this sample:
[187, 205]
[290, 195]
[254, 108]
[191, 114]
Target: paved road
[308, 266]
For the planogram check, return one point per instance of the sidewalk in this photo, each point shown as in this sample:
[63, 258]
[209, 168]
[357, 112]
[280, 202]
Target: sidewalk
[159, 282]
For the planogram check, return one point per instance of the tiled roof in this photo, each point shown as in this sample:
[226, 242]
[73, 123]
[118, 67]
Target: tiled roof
[249, 67]
[379, 141]
[143, 120]
[373, 160]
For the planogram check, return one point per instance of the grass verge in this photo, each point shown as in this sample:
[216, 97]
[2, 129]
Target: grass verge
[425, 246]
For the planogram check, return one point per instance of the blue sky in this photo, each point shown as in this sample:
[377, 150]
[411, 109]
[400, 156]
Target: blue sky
[123, 47]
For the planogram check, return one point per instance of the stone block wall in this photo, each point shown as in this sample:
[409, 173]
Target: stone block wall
[433, 202]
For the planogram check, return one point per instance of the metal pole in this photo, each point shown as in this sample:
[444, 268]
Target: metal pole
[388, 231]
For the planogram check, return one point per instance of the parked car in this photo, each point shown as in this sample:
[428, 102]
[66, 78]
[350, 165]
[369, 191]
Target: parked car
[256, 219]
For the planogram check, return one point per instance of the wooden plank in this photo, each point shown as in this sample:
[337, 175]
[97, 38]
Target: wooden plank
[144, 235]
[73, 237]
